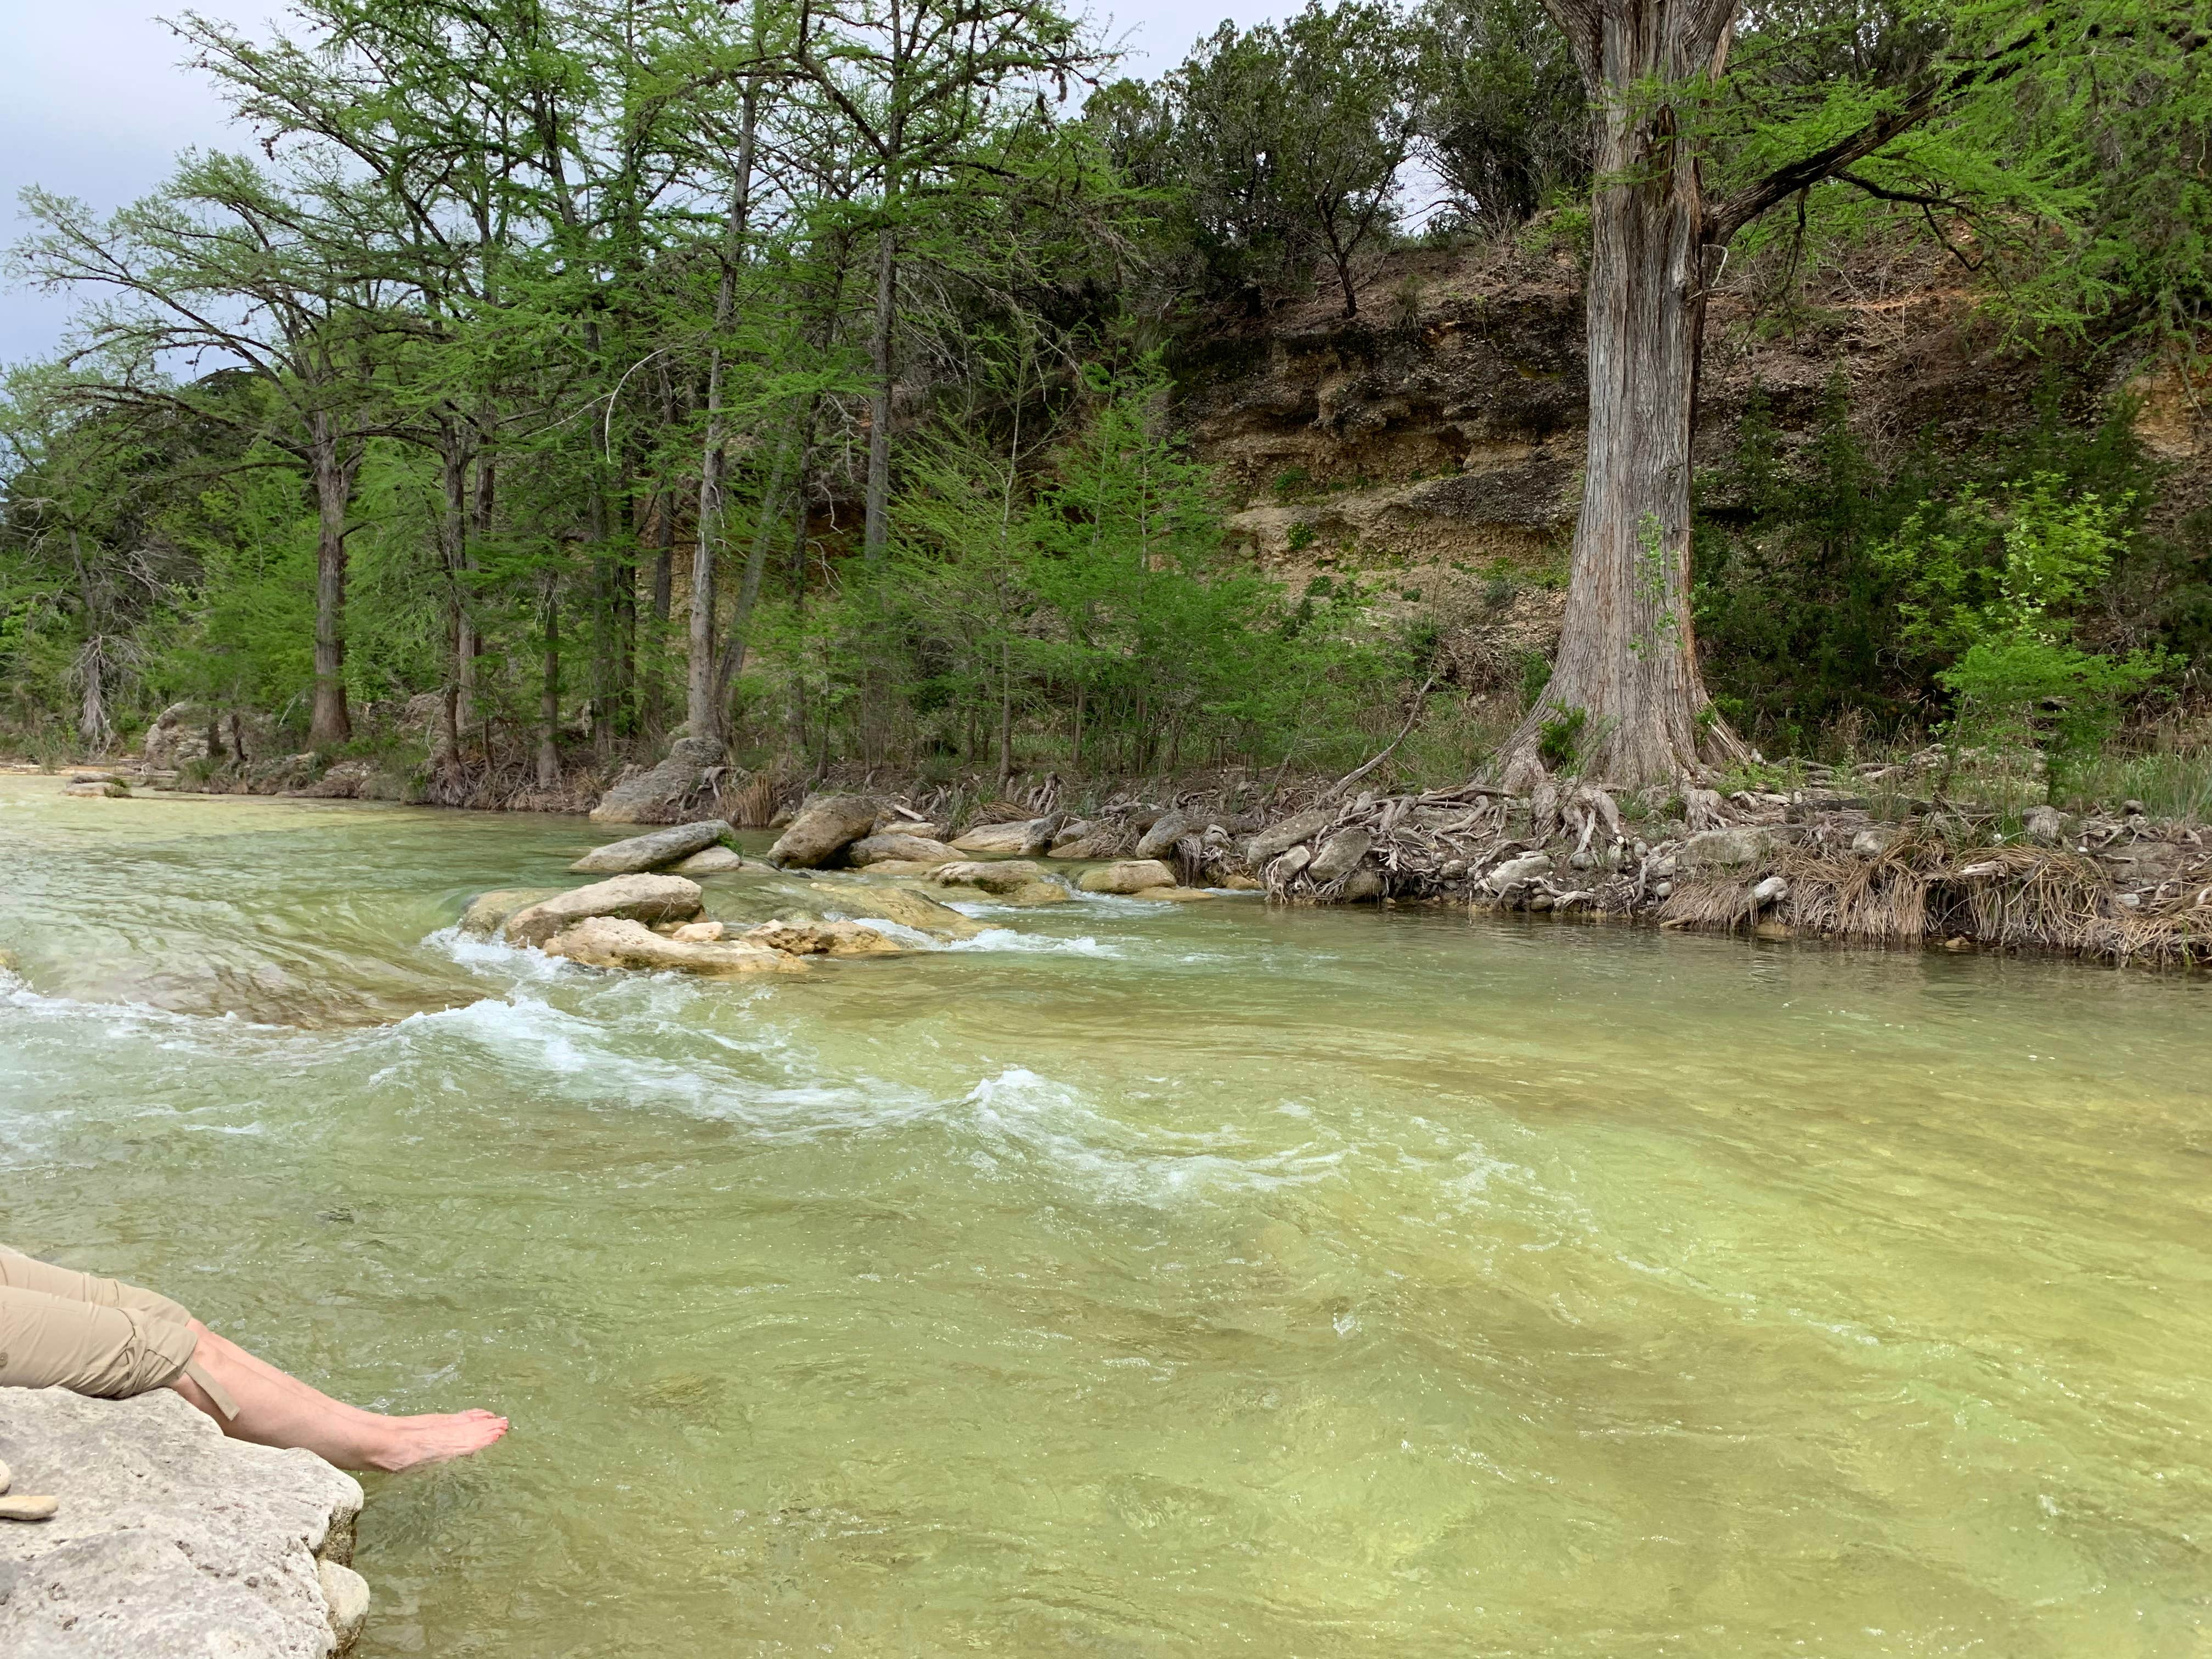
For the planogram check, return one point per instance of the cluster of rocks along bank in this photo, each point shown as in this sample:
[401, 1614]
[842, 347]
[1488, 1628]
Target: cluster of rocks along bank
[170, 1541]
[848, 877]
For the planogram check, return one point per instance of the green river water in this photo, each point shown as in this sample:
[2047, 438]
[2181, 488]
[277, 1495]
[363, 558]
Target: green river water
[1146, 1279]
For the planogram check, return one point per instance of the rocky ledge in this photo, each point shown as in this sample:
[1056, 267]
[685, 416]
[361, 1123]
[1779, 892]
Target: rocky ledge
[170, 1540]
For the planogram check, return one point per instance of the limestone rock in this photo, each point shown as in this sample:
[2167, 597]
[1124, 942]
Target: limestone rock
[1870, 843]
[487, 912]
[2045, 828]
[1007, 838]
[1361, 885]
[824, 828]
[632, 899]
[652, 852]
[1514, 871]
[1167, 830]
[1726, 849]
[822, 938]
[612, 942]
[660, 795]
[1017, 881]
[698, 933]
[1131, 876]
[1291, 832]
[901, 848]
[110, 790]
[172, 1542]
[907, 906]
[1772, 890]
[1099, 845]
[1339, 855]
[714, 861]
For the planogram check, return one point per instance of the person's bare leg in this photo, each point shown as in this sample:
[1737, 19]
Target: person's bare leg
[276, 1409]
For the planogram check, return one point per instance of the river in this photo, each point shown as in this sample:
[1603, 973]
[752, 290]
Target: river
[1146, 1279]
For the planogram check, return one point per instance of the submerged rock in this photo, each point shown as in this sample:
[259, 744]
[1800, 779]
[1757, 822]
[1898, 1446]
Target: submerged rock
[612, 942]
[823, 939]
[714, 861]
[487, 912]
[642, 853]
[907, 906]
[900, 848]
[1015, 881]
[111, 790]
[629, 898]
[824, 828]
[1131, 876]
[171, 1542]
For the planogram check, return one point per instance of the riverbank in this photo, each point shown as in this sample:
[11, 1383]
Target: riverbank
[1877, 854]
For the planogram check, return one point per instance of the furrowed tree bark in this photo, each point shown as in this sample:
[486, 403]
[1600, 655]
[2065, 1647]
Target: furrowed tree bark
[453, 535]
[1627, 659]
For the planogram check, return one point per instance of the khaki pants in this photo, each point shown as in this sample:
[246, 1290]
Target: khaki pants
[95, 1336]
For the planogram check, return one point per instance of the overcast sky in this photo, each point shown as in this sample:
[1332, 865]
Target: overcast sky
[92, 104]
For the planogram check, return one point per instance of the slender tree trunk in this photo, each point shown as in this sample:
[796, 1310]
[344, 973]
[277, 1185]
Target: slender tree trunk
[876, 534]
[1627, 665]
[548, 687]
[453, 535]
[734, 647]
[702, 710]
[333, 469]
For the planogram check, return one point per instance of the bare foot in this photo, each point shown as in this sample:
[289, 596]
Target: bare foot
[410, 1441]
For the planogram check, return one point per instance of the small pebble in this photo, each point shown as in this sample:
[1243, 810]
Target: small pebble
[25, 1507]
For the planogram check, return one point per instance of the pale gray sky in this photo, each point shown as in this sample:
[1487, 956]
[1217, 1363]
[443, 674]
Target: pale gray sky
[93, 105]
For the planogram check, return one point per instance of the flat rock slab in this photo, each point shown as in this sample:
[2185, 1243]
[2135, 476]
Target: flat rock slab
[642, 853]
[172, 1542]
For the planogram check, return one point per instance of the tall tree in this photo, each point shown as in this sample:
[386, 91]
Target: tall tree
[1625, 688]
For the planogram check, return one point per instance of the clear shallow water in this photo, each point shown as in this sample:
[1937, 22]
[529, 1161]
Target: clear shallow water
[1156, 1279]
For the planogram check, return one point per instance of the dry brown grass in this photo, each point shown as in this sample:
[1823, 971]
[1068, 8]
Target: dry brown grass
[1920, 889]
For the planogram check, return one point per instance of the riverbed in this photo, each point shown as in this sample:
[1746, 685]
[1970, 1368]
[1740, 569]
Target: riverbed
[1145, 1279]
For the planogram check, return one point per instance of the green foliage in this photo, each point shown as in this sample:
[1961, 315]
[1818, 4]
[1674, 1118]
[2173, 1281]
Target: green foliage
[1560, 738]
[1989, 583]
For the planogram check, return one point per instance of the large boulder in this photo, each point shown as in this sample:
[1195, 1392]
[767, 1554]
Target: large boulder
[903, 849]
[1339, 855]
[824, 828]
[487, 912]
[1167, 830]
[171, 1542]
[1291, 832]
[646, 899]
[652, 852]
[1130, 876]
[612, 942]
[662, 793]
[1017, 881]
[1009, 839]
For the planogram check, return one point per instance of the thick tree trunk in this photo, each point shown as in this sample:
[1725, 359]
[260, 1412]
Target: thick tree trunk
[333, 471]
[1625, 703]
